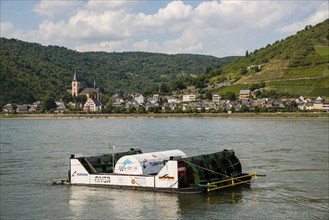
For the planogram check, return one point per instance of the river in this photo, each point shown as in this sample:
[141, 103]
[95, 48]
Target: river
[292, 152]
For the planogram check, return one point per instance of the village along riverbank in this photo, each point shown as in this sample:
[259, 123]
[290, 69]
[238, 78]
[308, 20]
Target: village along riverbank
[173, 115]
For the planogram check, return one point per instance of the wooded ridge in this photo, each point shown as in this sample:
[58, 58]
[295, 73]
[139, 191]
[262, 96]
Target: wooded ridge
[297, 65]
[30, 71]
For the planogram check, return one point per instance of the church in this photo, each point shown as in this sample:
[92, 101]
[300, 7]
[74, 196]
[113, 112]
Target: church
[94, 95]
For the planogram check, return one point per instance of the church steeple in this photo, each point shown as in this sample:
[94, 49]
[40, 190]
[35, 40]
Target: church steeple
[75, 75]
[75, 84]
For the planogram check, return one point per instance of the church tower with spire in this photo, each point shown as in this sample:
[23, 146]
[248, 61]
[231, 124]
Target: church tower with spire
[75, 85]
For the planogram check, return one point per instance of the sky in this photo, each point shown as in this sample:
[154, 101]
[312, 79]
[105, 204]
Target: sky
[217, 28]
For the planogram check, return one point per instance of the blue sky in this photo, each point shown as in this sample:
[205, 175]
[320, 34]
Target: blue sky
[218, 28]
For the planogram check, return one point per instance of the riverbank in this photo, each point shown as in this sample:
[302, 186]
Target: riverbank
[171, 115]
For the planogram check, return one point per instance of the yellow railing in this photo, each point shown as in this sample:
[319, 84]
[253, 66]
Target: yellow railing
[234, 181]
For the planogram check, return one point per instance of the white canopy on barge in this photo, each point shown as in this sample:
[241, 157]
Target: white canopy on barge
[149, 163]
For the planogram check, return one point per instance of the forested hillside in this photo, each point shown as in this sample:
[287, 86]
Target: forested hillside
[30, 71]
[297, 65]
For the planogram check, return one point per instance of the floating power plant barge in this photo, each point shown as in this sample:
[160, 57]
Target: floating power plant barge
[164, 171]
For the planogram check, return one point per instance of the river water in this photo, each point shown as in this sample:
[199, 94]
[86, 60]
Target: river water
[293, 153]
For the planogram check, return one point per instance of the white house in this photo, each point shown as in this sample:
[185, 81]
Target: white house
[10, 108]
[61, 107]
[216, 97]
[173, 100]
[318, 104]
[139, 98]
[92, 105]
[155, 99]
[189, 98]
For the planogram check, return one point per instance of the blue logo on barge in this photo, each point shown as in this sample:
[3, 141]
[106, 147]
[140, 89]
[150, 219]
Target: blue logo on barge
[75, 173]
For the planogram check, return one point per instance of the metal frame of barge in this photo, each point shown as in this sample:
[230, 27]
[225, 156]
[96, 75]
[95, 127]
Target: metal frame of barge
[165, 171]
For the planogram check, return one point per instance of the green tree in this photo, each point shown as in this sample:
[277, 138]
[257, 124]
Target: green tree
[67, 97]
[230, 96]
[177, 85]
[164, 88]
[81, 99]
[119, 110]
[156, 109]
[208, 95]
[178, 110]
[131, 110]
[244, 108]
[256, 109]
[258, 93]
[167, 109]
[141, 110]
[48, 103]
[243, 71]
[247, 54]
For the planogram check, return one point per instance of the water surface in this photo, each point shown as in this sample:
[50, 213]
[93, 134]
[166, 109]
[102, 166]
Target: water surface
[293, 153]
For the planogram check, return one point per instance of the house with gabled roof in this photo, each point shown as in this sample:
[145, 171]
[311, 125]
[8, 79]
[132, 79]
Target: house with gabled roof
[155, 99]
[139, 98]
[10, 108]
[134, 103]
[61, 106]
[92, 105]
[23, 108]
[318, 103]
[244, 94]
[93, 93]
[280, 103]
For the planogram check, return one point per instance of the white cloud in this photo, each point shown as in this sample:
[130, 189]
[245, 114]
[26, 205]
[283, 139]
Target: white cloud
[50, 8]
[103, 5]
[180, 45]
[218, 28]
[320, 15]
[118, 46]
[146, 45]
[171, 18]
[60, 32]
[175, 10]
[236, 14]
[110, 24]
[7, 28]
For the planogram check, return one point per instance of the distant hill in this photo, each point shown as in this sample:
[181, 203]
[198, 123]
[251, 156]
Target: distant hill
[297, 65]
[30, 71]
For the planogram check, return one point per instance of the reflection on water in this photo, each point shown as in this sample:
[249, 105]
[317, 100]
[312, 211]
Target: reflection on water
[130, 204]
[122, 204]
